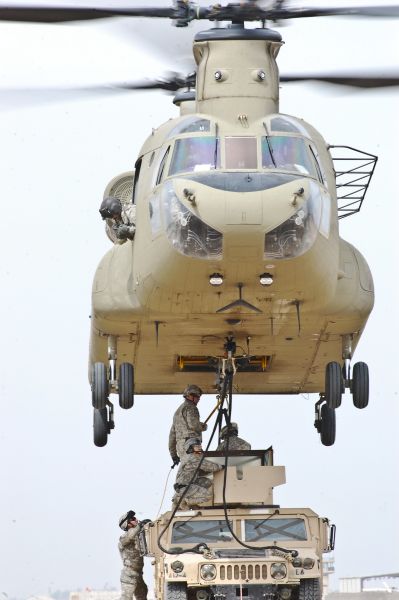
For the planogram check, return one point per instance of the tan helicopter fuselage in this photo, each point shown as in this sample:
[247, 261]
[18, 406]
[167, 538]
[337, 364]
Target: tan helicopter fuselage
[235, 193]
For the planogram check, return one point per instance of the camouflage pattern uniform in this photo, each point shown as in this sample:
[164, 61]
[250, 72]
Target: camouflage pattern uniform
[201, 490]
[235, 443]
[186, 424]
[128, 217]
[132, 582]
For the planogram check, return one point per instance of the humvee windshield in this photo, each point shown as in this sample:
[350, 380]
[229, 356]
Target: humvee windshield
[195, 532]
[259, 530]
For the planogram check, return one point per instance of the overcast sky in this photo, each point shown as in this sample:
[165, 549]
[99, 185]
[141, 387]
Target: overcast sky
[61, 497]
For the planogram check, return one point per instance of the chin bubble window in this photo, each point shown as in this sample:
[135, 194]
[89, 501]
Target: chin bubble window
[298, 233]
[186, 232]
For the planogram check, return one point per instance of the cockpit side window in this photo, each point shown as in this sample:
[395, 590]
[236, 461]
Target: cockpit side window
[287, 153]
[241, 153]
[317, 161]
[137, 170]
[194, 154]
[162, 167]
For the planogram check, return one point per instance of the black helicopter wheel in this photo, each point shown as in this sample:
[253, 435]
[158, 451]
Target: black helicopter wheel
[100, 426]
[327, 425]
[126, 385]
[333, 385]
[360, 385]
[99, 386]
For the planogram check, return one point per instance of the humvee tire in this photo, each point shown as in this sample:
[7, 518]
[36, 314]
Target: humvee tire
[309, 589]
[175, 591]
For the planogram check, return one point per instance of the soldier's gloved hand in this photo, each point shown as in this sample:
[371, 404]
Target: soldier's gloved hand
[176, 461]
[123, 232]
[204, 426]
[145, 521]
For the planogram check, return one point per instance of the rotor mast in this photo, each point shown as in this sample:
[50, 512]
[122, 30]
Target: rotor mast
[237, 73]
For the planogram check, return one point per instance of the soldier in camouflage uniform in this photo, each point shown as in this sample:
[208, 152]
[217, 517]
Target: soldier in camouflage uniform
[201, 489]
[132, 582]
[120, 219]
[186, 423]
[235, 443]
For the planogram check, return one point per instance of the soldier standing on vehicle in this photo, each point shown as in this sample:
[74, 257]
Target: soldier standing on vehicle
[201, 489]
[230, 432]
[132, 582]
[186, 423]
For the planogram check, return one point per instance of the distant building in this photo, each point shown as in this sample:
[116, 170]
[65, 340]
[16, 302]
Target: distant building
[368, 587]
[328, 569]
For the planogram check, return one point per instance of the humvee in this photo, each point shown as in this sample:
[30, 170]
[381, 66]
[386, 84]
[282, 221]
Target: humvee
[197, 557]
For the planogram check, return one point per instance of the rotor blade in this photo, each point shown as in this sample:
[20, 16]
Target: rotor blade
[62, 14]
[360, 81]
[184, 12]
[384, 11]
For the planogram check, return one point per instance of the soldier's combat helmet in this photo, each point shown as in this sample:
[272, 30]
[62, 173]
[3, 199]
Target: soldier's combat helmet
[227, 430]
[125, 518]
[192, 389]
[188, 445]
[110, 207]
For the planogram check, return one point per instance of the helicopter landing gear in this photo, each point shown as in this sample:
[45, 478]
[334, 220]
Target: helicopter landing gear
[126, 385]
[360, 385]
[325, 421]
[99, 386]
[333, 385]
[103, 423]
[104, 382]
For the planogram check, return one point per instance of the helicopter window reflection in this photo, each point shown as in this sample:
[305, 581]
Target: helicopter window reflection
[289, 153]
[286, 123]
[190, 124]
[241, 153]
[194, 154]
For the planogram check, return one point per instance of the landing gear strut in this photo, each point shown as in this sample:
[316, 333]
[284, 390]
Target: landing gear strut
[103, 382]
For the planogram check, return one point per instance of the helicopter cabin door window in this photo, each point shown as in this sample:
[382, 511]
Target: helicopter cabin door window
[241, 153]
[287, 153]
[194, 154]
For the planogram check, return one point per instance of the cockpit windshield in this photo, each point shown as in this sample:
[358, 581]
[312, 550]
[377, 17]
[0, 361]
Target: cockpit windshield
[288, 153]
[194, 154]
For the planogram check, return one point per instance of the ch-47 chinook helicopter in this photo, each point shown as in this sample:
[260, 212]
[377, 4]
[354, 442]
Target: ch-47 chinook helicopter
[236, 263]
